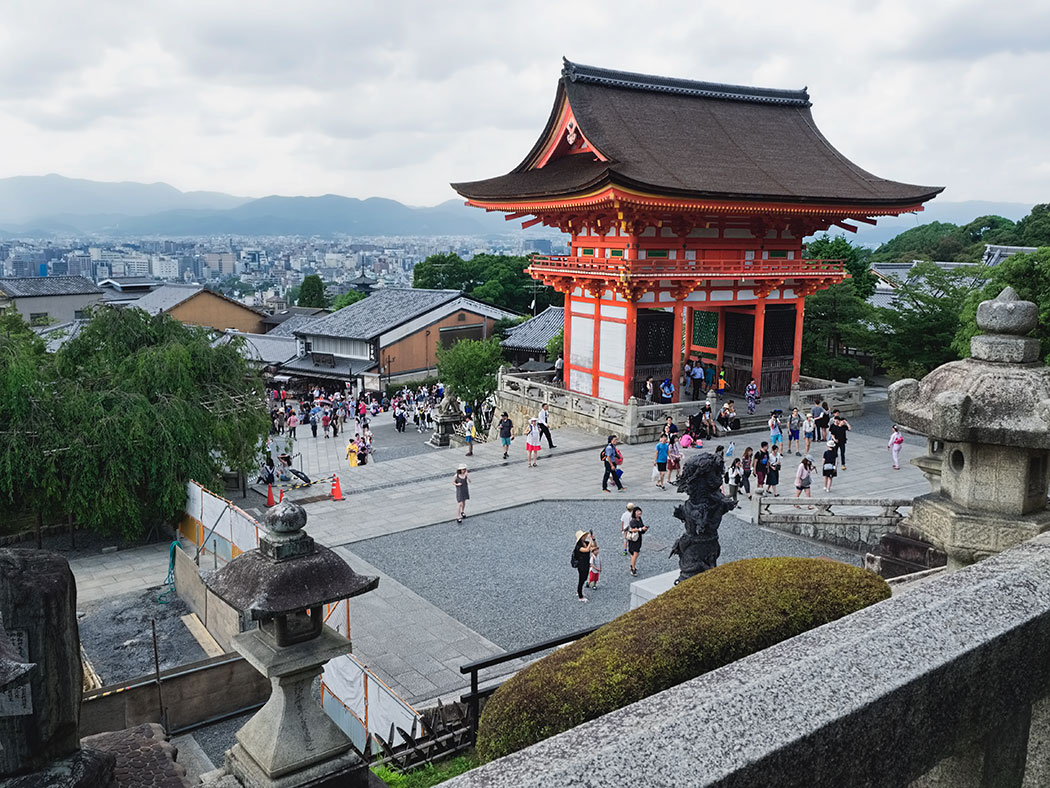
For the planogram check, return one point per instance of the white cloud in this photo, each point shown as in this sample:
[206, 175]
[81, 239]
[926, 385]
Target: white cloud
[397, 100]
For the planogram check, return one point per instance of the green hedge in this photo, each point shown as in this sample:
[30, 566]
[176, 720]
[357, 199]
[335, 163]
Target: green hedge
[704, 623]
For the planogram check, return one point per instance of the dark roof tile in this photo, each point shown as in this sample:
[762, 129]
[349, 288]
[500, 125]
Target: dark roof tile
[381, 311]
[694, 139]
[37, 286]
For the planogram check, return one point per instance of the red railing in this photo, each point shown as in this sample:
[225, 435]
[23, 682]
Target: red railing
[729, 267]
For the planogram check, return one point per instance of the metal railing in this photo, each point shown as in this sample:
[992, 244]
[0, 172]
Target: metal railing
[473, 698]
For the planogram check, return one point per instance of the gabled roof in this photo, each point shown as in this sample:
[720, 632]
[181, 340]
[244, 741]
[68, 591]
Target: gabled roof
[677, 137]
[996, 253]
[166, 298]
[293, 311]
[294, 323]
[536, 332]
[381, 311]
[136, 283]
[43, 286]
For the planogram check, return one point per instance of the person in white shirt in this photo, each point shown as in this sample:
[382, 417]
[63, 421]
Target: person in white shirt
[543, 422]
[625, 522]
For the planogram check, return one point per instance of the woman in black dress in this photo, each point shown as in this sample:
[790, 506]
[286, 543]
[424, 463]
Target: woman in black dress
[581, 559]
[635, 529]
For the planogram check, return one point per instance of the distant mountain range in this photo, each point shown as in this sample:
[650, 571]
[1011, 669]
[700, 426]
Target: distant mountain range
[52, 205]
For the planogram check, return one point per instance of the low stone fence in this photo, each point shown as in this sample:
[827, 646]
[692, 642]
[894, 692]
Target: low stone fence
[859, 529]
[522, 394]
[947, 684]
[848, 398]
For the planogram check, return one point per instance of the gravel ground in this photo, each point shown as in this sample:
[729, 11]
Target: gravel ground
[117, 637]
[507, 575]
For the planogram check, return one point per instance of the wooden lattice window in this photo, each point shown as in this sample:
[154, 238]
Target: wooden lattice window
[705, 328]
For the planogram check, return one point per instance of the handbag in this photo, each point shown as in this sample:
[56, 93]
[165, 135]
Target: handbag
[655, 474]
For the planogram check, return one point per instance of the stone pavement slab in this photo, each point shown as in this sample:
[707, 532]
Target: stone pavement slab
[411, 644]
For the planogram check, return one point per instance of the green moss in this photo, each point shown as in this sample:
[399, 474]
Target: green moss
[426, 776]
[704, 623]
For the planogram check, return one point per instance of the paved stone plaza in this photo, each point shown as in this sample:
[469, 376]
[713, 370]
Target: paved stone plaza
[453, 593]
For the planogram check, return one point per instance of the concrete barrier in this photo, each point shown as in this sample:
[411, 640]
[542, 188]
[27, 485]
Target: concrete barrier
[191, 695]
[221, 620]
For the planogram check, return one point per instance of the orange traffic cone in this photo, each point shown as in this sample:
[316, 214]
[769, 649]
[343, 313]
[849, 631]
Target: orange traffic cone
[337, 490]
[269, 496]
[282, 496]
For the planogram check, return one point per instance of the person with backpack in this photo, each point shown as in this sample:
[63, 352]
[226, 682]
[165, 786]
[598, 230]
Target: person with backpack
[581, 559]
[761, 465]
[611, 458]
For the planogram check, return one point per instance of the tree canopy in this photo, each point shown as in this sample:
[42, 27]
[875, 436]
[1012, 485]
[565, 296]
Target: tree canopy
[494, 278]
[111, 426]
[311, 292]
[949, 242]
[347, 298]
[468, 368]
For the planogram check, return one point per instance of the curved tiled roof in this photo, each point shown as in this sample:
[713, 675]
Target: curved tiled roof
[693, 139]
[43, 286]
[536, 332]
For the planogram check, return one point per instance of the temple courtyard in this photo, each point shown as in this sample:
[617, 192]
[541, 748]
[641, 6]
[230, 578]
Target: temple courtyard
[450, 593]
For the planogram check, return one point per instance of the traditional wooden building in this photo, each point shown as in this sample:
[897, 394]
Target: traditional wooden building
[687, 204]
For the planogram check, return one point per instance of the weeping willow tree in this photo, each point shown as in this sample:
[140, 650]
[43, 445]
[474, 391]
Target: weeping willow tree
[111, 426]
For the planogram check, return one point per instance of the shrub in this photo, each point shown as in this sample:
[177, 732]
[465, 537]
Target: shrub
[704, 623]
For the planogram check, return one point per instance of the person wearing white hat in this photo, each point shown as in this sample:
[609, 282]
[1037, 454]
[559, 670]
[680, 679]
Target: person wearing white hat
[462, 483]
[532, 442]
[581, 559]
[830, 455]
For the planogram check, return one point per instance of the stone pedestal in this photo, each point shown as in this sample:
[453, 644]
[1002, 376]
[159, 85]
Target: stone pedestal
[291, 741]
[38, 720]
[444, 428]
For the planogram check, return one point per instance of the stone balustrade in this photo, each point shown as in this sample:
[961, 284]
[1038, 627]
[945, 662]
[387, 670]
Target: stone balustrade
[848, 397]
[859, 528]
[947, 684]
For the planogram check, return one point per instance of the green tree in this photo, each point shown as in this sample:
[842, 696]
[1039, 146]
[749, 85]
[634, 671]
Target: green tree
[1034, 229]
[347, 298]
[1029, 275]
[837, 318]
[112, 426]
[311, 293]
[856, 260]
[556, 345]
[468, 368]
[496, 279]
[916, 334]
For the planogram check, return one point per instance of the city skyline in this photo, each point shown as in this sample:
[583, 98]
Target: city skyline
[252, 100]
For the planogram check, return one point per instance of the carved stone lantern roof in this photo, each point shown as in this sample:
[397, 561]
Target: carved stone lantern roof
[288, 572]
[1001, 395]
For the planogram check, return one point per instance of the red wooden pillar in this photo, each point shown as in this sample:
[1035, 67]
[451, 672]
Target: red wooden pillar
[756, 349]
[630, 344]
[566, 339]
[796, 353]
[596, 343]
[676, 353]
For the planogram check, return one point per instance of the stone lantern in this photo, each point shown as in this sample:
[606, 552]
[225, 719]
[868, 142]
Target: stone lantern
[284, 585]
[987, 420]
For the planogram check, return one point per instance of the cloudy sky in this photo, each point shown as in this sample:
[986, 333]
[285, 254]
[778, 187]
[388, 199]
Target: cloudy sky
[396, 99]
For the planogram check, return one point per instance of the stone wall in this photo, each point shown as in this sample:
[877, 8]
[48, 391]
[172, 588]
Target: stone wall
[859, 528]
[946, 684]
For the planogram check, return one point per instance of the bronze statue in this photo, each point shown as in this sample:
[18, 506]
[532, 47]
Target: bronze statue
[698, 548]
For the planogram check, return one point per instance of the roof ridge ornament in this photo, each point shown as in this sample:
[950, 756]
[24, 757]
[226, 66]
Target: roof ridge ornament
[595, 75]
